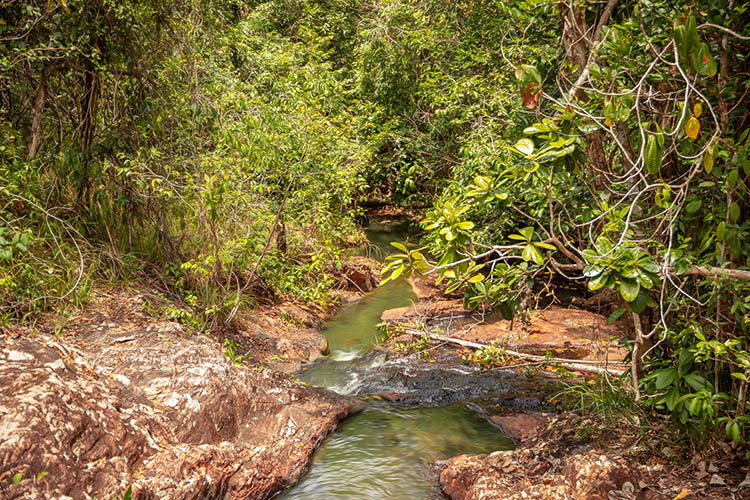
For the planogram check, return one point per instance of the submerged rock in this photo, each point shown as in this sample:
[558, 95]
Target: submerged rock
[156, 409]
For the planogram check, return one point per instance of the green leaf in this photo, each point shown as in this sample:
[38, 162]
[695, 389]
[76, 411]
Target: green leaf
[693, 206]
[465, 225]
[653, 154]
[665, 377]
[128, 494]
[616, 315]
[641, 301]
[399, 246]
[598, 281]
[684, 362]
[629, 289]
[697, 382]
[476, 278]
[703, 61]
[527, 232]
[673, 398]
[536, 255]
[524, 146]
[721, 230]
[546, 246]
[734, 212]
[17, 477]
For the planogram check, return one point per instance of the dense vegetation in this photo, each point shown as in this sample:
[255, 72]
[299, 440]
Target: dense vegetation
[223, 150]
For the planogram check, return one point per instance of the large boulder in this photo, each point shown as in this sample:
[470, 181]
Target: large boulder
[152, 407]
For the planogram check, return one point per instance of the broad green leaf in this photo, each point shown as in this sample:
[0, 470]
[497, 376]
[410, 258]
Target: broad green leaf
[693, 206]
[665, 377]
[525, 147]
[673, 398]
[684, 362]
[598, 281]
[536, 255]
[17, 477]
[465, 225]
[629, 289]
[697, 382]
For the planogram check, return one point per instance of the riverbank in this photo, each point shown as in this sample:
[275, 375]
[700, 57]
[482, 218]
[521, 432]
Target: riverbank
[118, 399]
[590, 452]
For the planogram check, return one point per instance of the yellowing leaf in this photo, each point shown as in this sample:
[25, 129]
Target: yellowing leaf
[698, 109]
[682, 494]
[708, 159]
[692, 127]
[608, 122]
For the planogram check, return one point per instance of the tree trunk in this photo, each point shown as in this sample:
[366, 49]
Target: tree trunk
[89, 104]
[35, 137]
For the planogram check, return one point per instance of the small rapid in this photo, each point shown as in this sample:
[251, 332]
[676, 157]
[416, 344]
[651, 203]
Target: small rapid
[386, 451]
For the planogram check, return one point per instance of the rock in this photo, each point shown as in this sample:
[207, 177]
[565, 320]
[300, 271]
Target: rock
[188, 424]
[360, 274]
[393, 397]
[717, 480]
[427, 310]
[522, 426]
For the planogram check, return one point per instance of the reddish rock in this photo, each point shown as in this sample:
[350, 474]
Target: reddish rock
[522, 426]
[393, 397]
[427, 310]
[155, 408]
[360, 274]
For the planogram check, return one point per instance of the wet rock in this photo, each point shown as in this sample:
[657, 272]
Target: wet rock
[522, 426]
[165, 412]
[393, 397]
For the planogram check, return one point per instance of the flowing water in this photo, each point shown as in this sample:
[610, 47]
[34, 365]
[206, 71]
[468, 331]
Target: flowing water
[385, 452]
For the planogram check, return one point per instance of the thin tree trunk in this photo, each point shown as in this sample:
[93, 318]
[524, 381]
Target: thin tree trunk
[35, 139]
[636, 356]
[89, 104]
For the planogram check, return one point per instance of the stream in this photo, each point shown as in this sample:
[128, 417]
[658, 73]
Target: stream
[385, 451]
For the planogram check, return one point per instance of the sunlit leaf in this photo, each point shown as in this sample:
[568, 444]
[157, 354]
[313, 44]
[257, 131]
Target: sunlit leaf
[692, 127]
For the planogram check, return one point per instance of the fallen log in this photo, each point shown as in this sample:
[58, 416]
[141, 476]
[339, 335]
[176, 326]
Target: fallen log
[581, 365]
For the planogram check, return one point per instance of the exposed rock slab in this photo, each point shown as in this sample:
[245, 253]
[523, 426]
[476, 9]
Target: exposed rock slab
[569, 332]
[427, 310]
[521, 426]
[152, 407]
[574, 458]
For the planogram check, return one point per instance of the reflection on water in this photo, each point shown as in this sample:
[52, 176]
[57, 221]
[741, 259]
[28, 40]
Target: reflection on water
[384, 452]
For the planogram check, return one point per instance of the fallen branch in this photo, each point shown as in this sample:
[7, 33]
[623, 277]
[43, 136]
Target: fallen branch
[581, 365]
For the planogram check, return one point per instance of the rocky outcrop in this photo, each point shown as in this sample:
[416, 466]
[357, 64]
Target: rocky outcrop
[148, 405]
[521, 426]
[578, 458]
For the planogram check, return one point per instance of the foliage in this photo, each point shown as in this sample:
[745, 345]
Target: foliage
[630, 171]
[197, 146]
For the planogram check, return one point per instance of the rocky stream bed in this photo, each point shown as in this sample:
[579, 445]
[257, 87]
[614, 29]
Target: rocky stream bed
[116, 399]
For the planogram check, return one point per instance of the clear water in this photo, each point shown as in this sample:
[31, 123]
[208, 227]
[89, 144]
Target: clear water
[384, 452]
